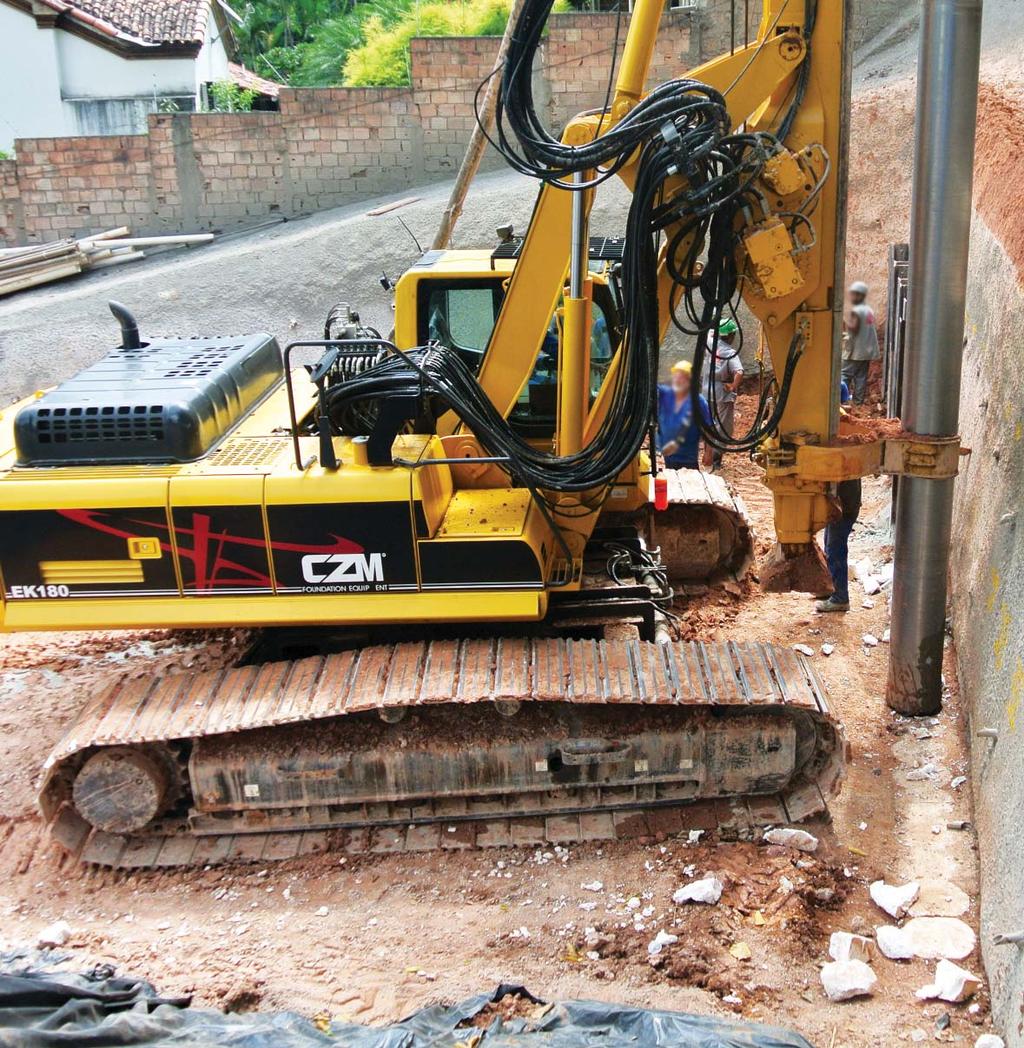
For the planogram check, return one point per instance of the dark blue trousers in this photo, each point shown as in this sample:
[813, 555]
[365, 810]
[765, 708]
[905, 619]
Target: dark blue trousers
[837, 553]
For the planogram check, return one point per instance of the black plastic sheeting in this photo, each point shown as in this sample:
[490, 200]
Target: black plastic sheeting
[40, 1009]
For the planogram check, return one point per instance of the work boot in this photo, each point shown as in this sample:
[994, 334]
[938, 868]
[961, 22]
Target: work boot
[833, 603]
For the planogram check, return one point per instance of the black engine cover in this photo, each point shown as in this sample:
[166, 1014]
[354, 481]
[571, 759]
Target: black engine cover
[170, 400]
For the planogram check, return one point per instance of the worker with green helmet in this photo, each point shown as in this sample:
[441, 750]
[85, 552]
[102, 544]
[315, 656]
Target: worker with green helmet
[724, 364]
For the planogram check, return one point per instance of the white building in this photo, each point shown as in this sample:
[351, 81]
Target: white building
[99, 67]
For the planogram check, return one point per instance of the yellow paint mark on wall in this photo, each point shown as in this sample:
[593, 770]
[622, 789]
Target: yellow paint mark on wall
[1002, 640]
[993, 590]
[1016, 694]
[1018, 430]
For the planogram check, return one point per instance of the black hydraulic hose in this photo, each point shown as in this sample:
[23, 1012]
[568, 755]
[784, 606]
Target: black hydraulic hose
[695, 184]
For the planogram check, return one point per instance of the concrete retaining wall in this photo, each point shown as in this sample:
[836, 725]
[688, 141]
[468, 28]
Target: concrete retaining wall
[987, 586]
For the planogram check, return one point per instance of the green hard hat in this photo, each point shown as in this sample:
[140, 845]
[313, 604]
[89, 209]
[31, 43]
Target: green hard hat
[728, 327]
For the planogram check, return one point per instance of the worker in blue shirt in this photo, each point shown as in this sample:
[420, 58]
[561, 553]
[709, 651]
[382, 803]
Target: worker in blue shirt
[678, 431]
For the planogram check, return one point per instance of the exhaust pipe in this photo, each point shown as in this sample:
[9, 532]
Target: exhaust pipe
[947, 104]
[129, 326]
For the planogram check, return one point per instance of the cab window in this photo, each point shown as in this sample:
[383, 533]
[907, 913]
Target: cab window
[459, 315]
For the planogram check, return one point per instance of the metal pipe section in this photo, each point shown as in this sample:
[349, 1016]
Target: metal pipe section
[579, 245]
[574, 355]
[947, 101]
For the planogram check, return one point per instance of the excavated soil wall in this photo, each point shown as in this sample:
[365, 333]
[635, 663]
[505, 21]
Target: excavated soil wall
[987, 567]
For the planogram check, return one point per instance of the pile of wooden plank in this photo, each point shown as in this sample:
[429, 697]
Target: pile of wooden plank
[25, 267]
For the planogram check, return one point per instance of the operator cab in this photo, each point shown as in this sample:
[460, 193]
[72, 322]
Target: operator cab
[458, 302]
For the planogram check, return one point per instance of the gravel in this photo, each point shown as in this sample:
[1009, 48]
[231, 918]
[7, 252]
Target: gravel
[281, 279]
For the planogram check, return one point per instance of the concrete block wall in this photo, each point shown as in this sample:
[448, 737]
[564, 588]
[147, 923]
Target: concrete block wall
[83, 184]
[325, 147]
[330, 146]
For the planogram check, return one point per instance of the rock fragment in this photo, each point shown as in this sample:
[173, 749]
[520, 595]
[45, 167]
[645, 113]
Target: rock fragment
[790, 838]
[989, 1040]
[804, 649]
[894, 899]
[56, 934]
[893, 943]
[932, 938]
[845, 946]
[707, 890]
[660, 941]
[844, 980]
[927, 771]
[952, 983]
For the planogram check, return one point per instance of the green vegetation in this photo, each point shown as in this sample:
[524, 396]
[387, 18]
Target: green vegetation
[227, 97]
[383, 60]
[357, 43]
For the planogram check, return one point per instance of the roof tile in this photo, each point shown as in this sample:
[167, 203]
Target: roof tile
[155, 21]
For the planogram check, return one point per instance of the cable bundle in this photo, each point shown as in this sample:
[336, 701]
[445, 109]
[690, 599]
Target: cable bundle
[695, 182]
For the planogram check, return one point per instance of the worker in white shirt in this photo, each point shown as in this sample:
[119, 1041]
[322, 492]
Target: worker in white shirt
[727, 370]
[860, 344]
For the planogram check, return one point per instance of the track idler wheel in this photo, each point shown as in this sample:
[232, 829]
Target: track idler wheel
[121, 790]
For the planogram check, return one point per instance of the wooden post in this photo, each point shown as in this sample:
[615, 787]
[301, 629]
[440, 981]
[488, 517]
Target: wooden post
[478, 140]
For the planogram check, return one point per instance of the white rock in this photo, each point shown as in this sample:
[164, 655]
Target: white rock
[893, 943]
[593, 886]
[660, 941]
[863, 569]
[918, 1036]
[871, 585]
[957, 781]
[694, 836]
[870, 640]
[932, 938]
[827, 649]
[731, 998]
[886, 635]
[56, 934]
[707, 890]
[989, 1040]
[788, 838]
[885, 573]
[929, 771]
[322, 912]
[633, 903]
[867, 603]
[804, 649]
[843, 980]
[845, 946]
[952, 983]
[895, 900]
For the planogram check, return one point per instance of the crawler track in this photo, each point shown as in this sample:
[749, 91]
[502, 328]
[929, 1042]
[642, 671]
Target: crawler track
[502, 742]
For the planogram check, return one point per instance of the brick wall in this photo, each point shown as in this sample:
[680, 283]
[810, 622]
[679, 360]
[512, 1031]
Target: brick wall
[81, 184]
[326, 146]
